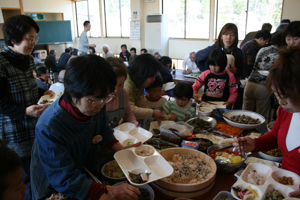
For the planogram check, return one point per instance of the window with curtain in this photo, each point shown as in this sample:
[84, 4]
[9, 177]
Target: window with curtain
[88, 10]
[117, 18]
[188, 18]
[248, 15]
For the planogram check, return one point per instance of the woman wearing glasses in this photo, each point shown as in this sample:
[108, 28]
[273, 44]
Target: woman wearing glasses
[19, 91]
[69, 132]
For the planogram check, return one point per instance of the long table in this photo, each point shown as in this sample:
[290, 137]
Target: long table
[223, 182]
[179, 77]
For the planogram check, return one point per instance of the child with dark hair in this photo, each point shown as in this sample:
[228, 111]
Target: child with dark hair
[181, 109]
[11, 175]
[219, 84]
[154, 99]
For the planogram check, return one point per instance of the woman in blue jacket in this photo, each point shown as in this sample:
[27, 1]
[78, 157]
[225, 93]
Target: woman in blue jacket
[69, 131]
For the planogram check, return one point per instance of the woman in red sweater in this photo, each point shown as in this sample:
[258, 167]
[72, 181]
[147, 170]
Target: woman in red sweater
[283, 80]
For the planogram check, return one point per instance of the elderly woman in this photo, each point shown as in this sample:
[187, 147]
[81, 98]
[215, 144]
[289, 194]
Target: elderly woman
[19, 91]
[283, 80]
[69, 131]
[141, 74]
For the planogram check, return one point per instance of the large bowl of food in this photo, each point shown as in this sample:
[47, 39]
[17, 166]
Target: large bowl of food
[228, 160]
[273, 155]
[112, 171]
[194, 171]
[243, 119]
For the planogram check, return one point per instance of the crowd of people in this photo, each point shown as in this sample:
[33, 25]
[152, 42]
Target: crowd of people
[45, 149]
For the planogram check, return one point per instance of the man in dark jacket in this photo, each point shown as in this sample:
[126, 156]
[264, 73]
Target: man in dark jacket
[63, 60]
[50, 61]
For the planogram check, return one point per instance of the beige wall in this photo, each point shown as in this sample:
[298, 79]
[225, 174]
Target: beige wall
[178, 48]
[291, 10]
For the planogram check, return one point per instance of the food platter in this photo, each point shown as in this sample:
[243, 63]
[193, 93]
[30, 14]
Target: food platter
[193, 75]
[211, 120]
[154, 125]
[154, 164]
[227, 115]
[128, 133]
[227, 130]
[269, 177]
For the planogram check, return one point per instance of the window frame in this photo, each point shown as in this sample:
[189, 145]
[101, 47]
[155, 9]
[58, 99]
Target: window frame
[184, 25]
[246, 19]
[88, 15]
[105, 21]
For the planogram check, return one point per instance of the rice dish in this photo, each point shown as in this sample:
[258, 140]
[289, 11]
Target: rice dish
[254, 178]
[144, 151]
[188, 169]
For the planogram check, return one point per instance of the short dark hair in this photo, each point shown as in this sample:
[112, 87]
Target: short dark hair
[277, 39]
[88, 75]
[124, 45]
[52, 51]
[75, 52]
[293, 29]
[266, 26]
[145, 50]
[284, 75]
[287, 21]
[217, 57]
[165, 60]
[68, 50]
[118, 65]
[133, 49]
[16, 27]
[93, 49]
[41, 70]
[86, 23]
[183, 89]
[142, 67]
[263, 34]
[10, 162]
[226, 28]
[157, 83]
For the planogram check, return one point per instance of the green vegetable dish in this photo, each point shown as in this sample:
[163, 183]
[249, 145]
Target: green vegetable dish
[199, 124]
[275, 194]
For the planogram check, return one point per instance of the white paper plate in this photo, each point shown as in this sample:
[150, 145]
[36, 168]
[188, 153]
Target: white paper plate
[129, 133]
[155, 164]
[49, 99]
[263, 72]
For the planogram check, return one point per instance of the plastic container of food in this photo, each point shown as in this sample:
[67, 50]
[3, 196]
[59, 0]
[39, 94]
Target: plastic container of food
[189, 128]
[270, 177]
[154, 164]
[47, 100]
[169, 135]
[128, 134]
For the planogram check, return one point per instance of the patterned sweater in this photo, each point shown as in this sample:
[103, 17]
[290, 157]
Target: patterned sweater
[18, 91]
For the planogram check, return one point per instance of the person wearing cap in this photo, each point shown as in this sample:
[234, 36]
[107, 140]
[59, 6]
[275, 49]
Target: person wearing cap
[157, 55]
[106, 52]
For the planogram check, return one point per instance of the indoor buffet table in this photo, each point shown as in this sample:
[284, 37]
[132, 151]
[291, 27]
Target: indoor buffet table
[223, 181]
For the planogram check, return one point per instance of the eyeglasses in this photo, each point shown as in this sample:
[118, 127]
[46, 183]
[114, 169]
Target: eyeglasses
[32, 40]
[100, 101]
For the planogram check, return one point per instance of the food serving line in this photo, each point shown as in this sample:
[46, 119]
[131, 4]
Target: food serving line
[223, 181]
[153, 167]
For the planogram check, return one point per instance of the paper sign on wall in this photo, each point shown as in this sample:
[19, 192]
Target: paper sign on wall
[135, 30]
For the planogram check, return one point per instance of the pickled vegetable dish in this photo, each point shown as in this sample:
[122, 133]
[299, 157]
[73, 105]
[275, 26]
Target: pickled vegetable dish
[226, 156]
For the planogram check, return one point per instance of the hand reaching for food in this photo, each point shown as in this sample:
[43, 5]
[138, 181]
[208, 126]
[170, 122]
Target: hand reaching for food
[172, 117]
[197, 98]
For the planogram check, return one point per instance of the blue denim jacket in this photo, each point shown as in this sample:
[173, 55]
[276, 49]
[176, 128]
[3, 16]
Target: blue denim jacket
[63, 146]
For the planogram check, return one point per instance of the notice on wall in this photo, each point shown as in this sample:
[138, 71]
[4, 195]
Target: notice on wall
[135, 30]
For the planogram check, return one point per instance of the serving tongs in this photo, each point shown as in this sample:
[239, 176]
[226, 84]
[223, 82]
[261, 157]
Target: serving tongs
[92, 175]
[219, 111]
